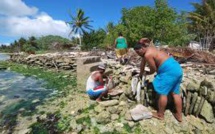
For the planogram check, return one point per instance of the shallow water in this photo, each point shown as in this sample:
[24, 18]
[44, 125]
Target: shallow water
[4, 57]
[15, 87]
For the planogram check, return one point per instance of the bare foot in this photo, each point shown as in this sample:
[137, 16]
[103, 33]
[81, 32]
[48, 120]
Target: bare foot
[178, 117]
[156, 115]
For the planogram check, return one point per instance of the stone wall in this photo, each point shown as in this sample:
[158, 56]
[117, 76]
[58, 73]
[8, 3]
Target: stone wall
[66, 61]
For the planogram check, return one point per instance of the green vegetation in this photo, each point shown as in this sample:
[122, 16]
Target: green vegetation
[34, 45]
[54, 80]
[53, 123]
[202, 22]
[127, 128]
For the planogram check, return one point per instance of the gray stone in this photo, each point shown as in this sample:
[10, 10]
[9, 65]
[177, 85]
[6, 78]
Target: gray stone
[197, 106]
[207, 112]
[99, 109]
[128, 116]
[109, 103]
[103, 117]
[140, 112]
[200, 106]
[113, 109]
[168, 130]
[193, 87]
[123, 97]
[114, 116]
[203, 90]
[131, 124]
[211, 96]
[212, 72]
[106, 128]
[88, 60]
[193, 102]
[188, 103]
[206, 83]
[118, 127]
[197, 124]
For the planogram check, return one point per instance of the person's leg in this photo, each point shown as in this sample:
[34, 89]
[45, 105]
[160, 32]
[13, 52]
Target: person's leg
[101, 95]
[100, 91]
[117, 54]
[162, 102]
[178, 106]
[177, 99]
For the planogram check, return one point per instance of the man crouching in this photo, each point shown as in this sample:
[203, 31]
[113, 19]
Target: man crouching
[167, 80]
[97, 88]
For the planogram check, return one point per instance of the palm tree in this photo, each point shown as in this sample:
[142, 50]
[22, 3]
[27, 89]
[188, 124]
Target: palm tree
[79, 24]
[202, 21]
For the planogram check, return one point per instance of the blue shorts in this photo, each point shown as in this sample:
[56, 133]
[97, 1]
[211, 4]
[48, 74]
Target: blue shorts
[95, 93]
[169, 77]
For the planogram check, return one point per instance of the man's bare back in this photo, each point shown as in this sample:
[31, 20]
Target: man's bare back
[158, 56]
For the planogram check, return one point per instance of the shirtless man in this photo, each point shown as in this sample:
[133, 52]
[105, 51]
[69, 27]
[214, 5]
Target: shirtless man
[96, 88]
[167, 80]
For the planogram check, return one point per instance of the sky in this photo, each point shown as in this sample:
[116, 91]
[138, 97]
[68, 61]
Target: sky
[25, 18]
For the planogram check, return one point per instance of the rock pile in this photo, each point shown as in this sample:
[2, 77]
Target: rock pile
[198, 93]
[199, 98]
[65, 61]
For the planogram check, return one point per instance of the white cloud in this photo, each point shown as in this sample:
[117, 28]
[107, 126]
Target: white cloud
[28, 21]
[42, 24]
[16, 8]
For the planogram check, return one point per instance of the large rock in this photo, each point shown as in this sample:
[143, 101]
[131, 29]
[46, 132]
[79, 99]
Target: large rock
[207, 112]
[140, 112]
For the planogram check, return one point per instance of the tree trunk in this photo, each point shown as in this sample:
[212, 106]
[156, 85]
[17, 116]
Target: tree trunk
[212, 45]
[80, 40]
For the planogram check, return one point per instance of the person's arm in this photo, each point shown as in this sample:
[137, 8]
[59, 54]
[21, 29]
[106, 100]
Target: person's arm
[142, 67]
[151, 63]
[99, 78]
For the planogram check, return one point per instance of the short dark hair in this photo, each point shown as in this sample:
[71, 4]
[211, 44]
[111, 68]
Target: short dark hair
[138, 46]
[120, 34]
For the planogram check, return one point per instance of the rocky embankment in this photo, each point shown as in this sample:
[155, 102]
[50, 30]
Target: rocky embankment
[65, 61]
[114, 114]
